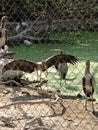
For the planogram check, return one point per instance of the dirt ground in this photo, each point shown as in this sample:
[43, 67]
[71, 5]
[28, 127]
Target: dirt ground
[68, 114]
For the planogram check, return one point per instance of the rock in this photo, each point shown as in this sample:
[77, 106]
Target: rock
[79, 95]
[28, 43]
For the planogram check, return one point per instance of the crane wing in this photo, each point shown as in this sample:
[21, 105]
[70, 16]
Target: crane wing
[22, 65]
[92, 81]
[60, 58]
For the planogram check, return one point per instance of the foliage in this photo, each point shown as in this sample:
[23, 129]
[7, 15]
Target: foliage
[56, 9]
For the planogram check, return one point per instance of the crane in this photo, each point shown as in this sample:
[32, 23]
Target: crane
[88, 83]
[62, 68]
[3, 33]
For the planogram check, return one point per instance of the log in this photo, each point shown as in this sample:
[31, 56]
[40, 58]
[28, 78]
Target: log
[15, 77]
[11, 74]
[47, 102]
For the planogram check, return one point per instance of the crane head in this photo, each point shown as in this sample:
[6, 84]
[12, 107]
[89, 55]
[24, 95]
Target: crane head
[4, 21]
[88, 63]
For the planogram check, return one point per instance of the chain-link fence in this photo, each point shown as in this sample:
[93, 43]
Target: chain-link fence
[48, 95]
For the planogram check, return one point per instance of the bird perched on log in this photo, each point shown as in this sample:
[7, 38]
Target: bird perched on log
[3, 33]
[29, 67]
[88, 83]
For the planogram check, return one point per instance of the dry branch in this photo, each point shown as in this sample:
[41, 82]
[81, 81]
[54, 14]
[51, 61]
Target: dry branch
[22, 34]
[36, 119]
[11, 81]
[42, 128]
[37, 32]
[39, 125]
[20, 37]
[40, 29]
[41, 83]
[47, 102]
[24, 82]
[16, 77]
[7, 55]
[6, 121]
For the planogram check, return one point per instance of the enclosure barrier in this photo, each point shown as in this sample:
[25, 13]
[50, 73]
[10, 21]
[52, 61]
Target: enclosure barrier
[37, 93]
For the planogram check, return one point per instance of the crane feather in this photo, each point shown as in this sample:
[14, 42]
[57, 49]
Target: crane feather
[29, 66]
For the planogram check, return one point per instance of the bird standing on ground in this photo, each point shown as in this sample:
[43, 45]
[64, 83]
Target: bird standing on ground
[88, 83]
[3, 33]
[62, 68]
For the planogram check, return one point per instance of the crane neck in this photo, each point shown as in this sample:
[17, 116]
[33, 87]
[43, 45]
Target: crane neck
[87, 69]
[3, 25]
[4, 21]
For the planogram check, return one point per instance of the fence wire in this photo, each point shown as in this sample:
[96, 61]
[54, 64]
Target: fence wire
[48, 100]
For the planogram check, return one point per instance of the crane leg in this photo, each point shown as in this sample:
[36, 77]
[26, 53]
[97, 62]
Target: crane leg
[46, 76]
[86, 103]
[39, 79]
[92, 104]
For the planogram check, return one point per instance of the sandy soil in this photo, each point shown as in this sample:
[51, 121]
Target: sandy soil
[70, 115]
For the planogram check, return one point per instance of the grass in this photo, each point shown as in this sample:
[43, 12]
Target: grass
[83, 45]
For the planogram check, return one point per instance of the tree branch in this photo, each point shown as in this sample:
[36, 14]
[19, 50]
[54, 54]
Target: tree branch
[47, 102]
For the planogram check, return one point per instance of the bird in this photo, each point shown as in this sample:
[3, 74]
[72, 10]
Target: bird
[30, 66]
[88, 84]
[27, 42]
[3, 33]
[62, 68]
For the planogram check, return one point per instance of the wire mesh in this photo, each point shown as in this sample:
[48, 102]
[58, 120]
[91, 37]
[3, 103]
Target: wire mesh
[36, 31]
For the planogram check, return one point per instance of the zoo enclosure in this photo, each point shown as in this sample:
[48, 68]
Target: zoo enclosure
[43, 19]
